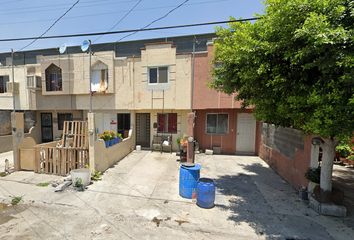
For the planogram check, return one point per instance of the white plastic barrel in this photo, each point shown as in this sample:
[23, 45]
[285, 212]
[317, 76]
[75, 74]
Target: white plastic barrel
[138, 148]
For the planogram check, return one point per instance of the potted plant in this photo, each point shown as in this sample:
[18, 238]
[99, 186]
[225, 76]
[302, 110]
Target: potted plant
[118, 137]
[106, 137]
[351, 160]
[113, 138]
[344, 150]
[179, 143]
[313, 176]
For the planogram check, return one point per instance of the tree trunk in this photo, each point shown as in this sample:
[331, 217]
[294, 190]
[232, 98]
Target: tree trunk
[328, 149]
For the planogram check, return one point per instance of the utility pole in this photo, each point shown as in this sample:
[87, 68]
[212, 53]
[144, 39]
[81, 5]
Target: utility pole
[13, 79]
[90, 78]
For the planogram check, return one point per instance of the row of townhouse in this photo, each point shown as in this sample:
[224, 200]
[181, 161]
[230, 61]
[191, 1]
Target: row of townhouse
[147, 86]
[142, 85]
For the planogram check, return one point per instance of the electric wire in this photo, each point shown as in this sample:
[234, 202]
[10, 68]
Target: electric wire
[120, 19]
[50, 26]
[8, 11]
[154, 20]
[96, 14]
[126, 31]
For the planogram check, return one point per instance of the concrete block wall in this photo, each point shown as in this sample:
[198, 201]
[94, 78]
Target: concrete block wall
[293, 166]
[283, 140]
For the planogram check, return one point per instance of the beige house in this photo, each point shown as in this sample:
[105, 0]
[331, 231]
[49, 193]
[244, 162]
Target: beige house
[149, 92]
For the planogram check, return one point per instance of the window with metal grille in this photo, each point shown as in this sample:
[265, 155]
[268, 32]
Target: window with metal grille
[53, 78]
[64, 117]
[123, 124]
[3, 81]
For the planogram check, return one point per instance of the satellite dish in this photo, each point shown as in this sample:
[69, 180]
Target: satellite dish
[62, 48]
[85, 45]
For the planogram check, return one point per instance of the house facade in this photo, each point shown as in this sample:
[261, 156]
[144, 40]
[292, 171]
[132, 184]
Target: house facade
[220, 123]
[142, 85]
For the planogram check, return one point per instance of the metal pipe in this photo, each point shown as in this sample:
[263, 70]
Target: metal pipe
[90, 78]
[13, 79]
[193, 74]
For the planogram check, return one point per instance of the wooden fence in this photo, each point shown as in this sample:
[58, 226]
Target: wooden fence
[59, 160]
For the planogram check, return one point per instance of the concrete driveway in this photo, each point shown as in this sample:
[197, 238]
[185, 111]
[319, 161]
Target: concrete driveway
[138, 198]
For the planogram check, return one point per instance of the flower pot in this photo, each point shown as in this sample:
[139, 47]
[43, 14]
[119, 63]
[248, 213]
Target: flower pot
[111, 142]
[107, 143]
[83, 173]
[312, 186]
[118, 138]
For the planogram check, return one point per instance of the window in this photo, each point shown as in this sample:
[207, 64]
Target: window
[3, 81]
[53, 78]
[217, 123]
[64, 117]
[99, 77]
[167, 123]
[158, 75]
[123, 124]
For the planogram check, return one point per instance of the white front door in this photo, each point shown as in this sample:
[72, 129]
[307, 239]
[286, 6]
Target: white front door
[246, 129]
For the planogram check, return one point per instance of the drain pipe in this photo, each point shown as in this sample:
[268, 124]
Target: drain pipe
[13, 79]
[193, 74]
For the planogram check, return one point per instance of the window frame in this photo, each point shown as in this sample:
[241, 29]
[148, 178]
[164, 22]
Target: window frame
[58, 85]
[4, 83]
[167, 123]
[61, 125]
[158, 74]
[217, 116]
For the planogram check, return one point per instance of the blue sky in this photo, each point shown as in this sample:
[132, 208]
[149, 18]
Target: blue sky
[31, 18]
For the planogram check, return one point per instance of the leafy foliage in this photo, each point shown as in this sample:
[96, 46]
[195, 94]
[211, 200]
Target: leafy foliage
[106, 136]
[344, 150]
[294, 65]
[313, 175]
[43, 184]
[16, 200]
[78, 183]
[95, 175]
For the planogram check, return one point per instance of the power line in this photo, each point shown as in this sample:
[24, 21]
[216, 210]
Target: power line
[158, 19]
[96, 14]
[82, 5]
[120, 19]
[154, 21]
[126, 31]
[50, 26]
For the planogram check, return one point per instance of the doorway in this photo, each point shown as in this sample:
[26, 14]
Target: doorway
[47, 127]
[246, 130]
[143, 129]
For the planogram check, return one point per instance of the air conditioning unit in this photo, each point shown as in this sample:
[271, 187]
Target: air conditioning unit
[34, 82]
[9, 87]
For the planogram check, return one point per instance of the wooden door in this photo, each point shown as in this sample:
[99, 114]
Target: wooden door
[246, 130]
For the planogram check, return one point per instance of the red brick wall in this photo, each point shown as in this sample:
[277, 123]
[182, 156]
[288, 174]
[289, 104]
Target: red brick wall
[292, 170]
[203, 97]
[226, 142]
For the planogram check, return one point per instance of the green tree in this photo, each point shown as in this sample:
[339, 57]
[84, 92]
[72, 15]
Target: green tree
[295, 65]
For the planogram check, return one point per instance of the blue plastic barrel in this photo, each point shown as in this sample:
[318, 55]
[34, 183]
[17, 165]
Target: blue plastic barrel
[188, 177]
[205, 192]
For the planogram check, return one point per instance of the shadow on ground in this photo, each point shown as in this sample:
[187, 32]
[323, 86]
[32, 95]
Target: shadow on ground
[248, 205]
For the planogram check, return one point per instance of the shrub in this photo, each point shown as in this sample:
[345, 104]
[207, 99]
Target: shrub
[313, 174]
[344, 150]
